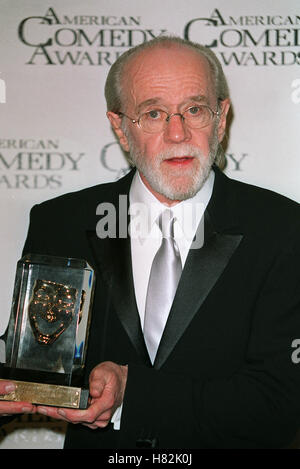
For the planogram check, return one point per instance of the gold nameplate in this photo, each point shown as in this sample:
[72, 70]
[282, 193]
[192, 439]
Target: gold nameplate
[45, 394]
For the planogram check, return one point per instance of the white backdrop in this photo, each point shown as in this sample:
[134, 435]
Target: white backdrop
[54, 136]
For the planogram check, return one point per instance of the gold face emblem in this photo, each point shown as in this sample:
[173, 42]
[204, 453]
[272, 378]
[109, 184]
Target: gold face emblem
[51, 310]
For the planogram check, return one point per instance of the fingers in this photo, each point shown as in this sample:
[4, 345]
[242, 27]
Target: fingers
[12, 407]
[108, 380]
[93, 416]
[6, 387]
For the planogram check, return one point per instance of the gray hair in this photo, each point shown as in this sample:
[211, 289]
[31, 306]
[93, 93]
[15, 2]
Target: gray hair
[113, 86]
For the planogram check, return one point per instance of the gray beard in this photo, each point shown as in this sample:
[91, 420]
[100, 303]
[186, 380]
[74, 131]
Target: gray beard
[167, 185]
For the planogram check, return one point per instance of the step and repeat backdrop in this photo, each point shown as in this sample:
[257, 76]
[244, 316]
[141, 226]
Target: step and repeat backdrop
[54, 135]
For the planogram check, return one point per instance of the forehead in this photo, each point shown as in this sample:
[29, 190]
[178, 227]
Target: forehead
[170, 75]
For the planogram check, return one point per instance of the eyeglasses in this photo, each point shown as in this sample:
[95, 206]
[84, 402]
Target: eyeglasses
[156, 120]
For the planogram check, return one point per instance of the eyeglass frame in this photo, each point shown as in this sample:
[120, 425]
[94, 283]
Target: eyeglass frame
[216, 113]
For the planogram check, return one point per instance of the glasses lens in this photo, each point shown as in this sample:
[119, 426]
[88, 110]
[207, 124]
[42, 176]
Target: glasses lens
[198, 116]
[153, 121]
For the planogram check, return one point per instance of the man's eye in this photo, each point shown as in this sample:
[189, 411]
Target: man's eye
[154, 114]
[195, 110]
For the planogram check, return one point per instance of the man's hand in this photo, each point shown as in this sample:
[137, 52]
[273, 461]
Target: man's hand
[11, 408]
[107, 387]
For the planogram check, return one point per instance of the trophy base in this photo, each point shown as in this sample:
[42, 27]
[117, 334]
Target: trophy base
[48, 394]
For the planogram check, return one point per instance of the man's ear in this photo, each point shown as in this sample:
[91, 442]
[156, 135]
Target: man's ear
[225, 106]
[116, 123]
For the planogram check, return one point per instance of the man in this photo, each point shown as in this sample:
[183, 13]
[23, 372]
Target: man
[212, 368]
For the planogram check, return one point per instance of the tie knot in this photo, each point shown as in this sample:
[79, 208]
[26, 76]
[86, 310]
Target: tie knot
[166, 223]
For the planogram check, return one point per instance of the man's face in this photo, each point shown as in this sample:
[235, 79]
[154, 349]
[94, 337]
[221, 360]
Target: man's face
[175, 162]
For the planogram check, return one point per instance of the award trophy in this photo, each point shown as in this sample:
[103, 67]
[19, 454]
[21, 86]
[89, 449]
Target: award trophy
[47, 333]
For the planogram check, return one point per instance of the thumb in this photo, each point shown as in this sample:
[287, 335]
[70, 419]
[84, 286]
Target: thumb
[96, 387]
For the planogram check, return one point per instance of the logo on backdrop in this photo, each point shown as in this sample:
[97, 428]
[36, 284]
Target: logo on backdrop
[59, 39]
[36, 164]
[268, 40]
[112, 159]
[2, 91]
[56, 38]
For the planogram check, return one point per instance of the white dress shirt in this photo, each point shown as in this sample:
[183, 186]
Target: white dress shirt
[146, 237]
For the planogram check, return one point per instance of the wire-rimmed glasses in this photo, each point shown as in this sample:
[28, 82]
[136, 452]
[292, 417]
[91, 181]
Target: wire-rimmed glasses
[156, 120]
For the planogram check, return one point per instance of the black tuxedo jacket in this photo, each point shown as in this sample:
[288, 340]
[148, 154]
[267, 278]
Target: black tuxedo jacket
[224, 375]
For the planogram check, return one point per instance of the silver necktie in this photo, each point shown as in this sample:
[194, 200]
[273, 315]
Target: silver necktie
[164, 277]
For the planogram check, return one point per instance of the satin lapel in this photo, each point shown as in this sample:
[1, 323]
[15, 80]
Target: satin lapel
[203, 268]
[113, 260]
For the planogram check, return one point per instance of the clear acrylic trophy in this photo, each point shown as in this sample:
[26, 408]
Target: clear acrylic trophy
[48, 329]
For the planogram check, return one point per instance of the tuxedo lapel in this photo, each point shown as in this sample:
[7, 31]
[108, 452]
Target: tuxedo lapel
[203, 268]
[201, 272]
[113, 260]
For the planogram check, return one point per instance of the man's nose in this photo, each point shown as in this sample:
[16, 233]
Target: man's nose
[176, 130]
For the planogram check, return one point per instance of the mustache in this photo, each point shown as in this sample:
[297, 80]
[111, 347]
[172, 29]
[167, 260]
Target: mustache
[180, 151]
